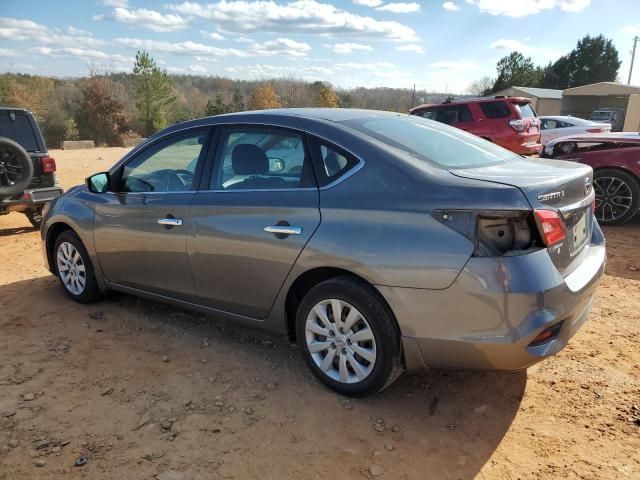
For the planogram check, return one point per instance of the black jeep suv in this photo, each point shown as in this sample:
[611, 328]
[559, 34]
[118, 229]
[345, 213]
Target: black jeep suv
[21, 138]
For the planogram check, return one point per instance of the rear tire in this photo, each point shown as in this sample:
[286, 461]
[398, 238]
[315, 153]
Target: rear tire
[358, 353]
[34, 215]
[617, 196]
[74, 269]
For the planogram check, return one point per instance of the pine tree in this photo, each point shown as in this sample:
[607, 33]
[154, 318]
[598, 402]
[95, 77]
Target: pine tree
[154, 93]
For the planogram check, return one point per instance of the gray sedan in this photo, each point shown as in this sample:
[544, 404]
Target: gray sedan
[380, 242]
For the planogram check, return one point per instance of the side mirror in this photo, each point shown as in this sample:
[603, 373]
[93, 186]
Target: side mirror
[99, 183]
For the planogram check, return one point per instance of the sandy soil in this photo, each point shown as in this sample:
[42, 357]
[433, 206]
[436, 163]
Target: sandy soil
[141, 390]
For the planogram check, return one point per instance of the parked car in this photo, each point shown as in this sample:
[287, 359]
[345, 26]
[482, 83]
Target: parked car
[612, 116]
[379, 241]
[615, 159]
[509, 122]
[26, 196]
[561, 126]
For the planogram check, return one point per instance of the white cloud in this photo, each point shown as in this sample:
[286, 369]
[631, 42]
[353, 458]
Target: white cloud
[523, 8]
[298, 16]
[529, 48]
[190, 70]
[631, 29]
[346, 48]
[116, 3]
[450, 6]
[410, 48]
[26, 30]
[400, 7]
[150, 19]
[212, 35]
[455, 65]
[280, 46]
[83, 53]
[8, 52]
[368, 3]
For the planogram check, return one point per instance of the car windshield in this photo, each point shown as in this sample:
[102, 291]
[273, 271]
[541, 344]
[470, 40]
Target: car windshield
[441, 145]
[17, 127]
[601, 115]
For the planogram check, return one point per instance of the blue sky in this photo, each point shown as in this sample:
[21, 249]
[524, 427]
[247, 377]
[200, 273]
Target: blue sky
[439, 45]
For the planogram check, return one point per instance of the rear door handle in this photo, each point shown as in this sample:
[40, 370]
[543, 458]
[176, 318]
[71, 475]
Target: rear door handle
[283, 230]
[170, 222]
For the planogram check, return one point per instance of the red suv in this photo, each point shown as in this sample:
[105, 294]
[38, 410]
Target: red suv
[509, 122]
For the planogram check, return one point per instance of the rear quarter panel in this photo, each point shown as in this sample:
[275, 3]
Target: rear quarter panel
[624, 158]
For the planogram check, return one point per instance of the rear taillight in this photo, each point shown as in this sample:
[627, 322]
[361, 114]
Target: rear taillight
[595, 130]
[551, 226]
[48, 164]
[493, 233]
[517, 125]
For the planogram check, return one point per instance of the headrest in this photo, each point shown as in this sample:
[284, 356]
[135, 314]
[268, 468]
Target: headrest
[248, 159]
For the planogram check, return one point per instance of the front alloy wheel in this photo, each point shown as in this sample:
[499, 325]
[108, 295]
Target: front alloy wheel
[617, 196]
[71, 268]
[74, 269]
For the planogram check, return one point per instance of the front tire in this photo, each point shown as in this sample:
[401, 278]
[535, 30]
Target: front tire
[349, 337]
[617, 196]
[74, 268]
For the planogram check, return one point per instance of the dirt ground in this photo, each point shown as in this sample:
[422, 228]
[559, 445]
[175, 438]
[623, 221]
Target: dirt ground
[141, 390]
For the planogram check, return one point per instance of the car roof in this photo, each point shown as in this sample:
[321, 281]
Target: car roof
[473, 100]
[14, 109]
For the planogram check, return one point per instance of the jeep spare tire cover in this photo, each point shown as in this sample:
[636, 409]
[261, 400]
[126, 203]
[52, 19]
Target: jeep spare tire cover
[16, 168]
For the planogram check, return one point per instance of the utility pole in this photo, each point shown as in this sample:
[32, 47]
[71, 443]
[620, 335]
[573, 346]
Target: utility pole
[633, 57]
[413, 96]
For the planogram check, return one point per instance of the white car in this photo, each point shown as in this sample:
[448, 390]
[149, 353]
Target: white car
[552, 127]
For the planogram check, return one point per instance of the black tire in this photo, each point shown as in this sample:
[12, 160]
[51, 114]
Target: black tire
[90, 293]
[34, 215]
[388, 363]
[16, 168]
[605, 214]
[564, 148]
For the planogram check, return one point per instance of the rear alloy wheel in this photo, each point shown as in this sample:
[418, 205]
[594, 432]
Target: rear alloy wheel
[348, 337]
[617, 196]
[74, 268]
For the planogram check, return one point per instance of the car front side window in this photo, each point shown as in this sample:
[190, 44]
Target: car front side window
[168, 167]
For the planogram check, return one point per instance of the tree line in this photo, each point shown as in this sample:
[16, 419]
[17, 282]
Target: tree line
[109, 107]
[594, 59]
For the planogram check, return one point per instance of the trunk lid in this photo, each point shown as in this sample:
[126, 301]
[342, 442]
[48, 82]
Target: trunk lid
[553, 185]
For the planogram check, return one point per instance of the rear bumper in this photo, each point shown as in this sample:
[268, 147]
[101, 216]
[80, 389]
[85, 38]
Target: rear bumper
[31, 198]
[490, 315]
[522, 144]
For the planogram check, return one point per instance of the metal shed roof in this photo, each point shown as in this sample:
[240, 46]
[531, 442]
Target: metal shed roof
[602, 89]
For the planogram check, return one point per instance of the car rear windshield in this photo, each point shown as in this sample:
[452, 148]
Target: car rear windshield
[443, 146]
[601, 115]
[17, 127]
[525, 110]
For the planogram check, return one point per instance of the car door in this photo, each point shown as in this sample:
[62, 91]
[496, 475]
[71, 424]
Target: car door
[252, 219]
[141, 227]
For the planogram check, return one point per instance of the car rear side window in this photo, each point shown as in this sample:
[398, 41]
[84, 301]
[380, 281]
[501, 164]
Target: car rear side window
[454, 114]
[429, 114]
[18, 127]
[495, 109]
[525, 110]
[333, 162]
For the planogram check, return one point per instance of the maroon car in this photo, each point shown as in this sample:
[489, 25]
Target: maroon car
[615, 159]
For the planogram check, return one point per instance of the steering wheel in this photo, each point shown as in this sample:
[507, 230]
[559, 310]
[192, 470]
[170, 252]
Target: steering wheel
[177, 180]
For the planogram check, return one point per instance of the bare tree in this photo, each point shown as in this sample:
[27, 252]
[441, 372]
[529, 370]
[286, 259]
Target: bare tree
[481, 86]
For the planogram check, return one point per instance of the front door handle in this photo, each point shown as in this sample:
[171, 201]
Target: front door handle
[283, 230]
[170, 222]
